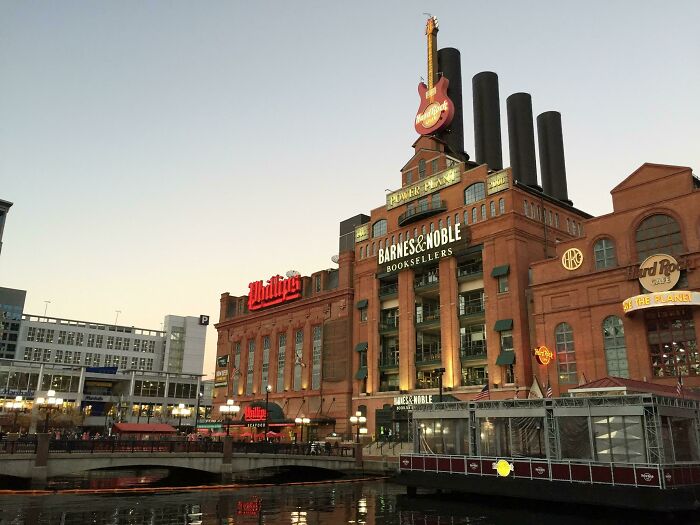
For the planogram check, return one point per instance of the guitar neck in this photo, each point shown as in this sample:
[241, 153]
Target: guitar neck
[432, 60]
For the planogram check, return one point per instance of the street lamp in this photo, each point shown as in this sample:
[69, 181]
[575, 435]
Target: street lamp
[301, 421]
[181, 411]
[49, 403]
[268, 389]
[229, 408]
[18, 406]
[440, 371]
[358, 419]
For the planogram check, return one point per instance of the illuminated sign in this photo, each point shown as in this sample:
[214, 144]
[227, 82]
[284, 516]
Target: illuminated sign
[503, 468]
[425, 187]
[420, 250]
[220, 378]
[436, 110]
[222, 361]
[497, 182]
[655, 300]
[409, 400]
[658, 273]
[543, 355]
[277, 291]
[254, 414]
[361, 232]
[249, 507]
[572, 259]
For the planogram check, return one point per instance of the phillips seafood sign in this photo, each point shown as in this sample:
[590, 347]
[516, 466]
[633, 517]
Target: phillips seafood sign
[277, 291]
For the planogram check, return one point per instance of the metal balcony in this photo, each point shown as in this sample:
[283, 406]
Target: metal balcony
[421, 211]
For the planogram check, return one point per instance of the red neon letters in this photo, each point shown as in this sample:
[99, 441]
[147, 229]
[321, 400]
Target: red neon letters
[254, 414]
[277, 291]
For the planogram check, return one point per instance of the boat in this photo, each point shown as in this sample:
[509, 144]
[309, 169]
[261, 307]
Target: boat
[617, 449]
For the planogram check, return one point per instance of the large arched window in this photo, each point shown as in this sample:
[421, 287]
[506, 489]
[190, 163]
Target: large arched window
[566, 357]
[379, 228]
[658, 234]
[604, 252]
[475, 192]
[615, 349]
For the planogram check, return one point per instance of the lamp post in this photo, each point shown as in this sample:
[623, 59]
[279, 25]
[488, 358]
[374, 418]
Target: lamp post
[49, 403]
[440, 371]
[268, 389]
[181, 411]
[358, 419]
[301, 421]
[17, 406]
[229, 408]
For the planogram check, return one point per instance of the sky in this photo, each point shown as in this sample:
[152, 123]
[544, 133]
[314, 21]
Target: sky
[161, 153]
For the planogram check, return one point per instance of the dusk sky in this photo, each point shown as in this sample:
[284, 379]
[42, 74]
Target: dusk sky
[160, 153]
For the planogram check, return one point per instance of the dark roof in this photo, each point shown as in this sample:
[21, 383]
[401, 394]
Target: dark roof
[145, 428]
[633, 385]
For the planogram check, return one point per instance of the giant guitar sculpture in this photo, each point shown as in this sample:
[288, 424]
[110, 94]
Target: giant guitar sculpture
[436, 109]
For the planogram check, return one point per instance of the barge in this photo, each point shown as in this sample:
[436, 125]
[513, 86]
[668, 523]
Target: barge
[629, 450]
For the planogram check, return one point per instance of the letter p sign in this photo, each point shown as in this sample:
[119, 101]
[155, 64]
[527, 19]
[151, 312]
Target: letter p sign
[204, 320]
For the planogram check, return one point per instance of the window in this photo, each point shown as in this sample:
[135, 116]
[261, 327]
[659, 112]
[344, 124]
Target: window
[409, 177]
[71, 338]
[79, 339]
[501, 206]
[298, 356]
[31, 333]
[281, 350]
[526, 208]
[474, 219]
[506, 340]
[264, 375]
[474, 193]
[492, 207]
[88, 359]
[483, 212]
[118, 343]
[91, 340]
[59, 356]
[236, 367]
[110, 342]
[98, 341]
[421, 169]
[604, 251]
[317, 283]
[658, 234]
[316, 359]
[434, 166]
[251, 363]
[672, 344]
[61, 337]
[379, 229]
[614, 344]
[566, 357]
[556, 220]
[363, 314]
[503, 283]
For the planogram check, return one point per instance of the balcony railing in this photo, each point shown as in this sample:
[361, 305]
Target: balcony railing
[389, 325]
[475, 308]
[427, 317]
[470, 269]
[389, 289]
[474, 381]
[473, 350]
[422, 210]
[428, 354]
[428, 279]
[389, 359]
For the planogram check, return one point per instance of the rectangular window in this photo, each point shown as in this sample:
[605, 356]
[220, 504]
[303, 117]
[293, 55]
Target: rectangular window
[61, 337]
[137, 345]
[31, 333]
[317, 283]
[49, 336]
[434, 166]
[40, 335]
[91, 340]
[151, 347]
[363, 314]
[77, 357]
[503, 284]
[134, 362]
[236, 367]
[98, 341]
[69, 356]
[88, 358]
[110, 342]
[281, 351]
[79, 338]
[298, 356]
[124, 362]
[96, 360]
[71, 338]
[265, 370]
[251, 363]
[118, 343]
[149, 364]
[142, 363]
[316, 358]
[28, 354]
[36, 355]
[59, 356]
[108, 360]
[47, 354]
[507, 341]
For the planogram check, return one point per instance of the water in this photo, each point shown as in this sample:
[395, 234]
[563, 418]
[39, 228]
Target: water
[360, 503]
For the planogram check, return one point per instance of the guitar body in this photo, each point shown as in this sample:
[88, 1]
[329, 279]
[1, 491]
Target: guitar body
[436, 109]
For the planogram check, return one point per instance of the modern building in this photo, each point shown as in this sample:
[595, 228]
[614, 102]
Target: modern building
[472, 280]
[4, 209]
[107, 372]
[11, 308]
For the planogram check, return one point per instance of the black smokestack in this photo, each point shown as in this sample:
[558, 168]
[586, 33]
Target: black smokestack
[521, 138]
[487, 120]
[552, 166]
[449, 64]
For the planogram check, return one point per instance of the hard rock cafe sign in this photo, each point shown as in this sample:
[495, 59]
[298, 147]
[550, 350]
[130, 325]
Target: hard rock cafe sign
[658, 273]
[543, 355]
[277, 291]
[436, 110]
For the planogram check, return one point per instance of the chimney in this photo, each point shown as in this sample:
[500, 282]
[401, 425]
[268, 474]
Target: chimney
[552, 166]
[521, 138]
[449, 65]
[487, 120]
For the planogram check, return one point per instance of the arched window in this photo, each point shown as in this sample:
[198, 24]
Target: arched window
[474, 219]
[604, 252]
[658, 234]
[379, 228]
[615, 350]
[374, 249]
[566, 357]
[483, 212]
[501, 206]
[439, 224]
[492, 206]
[526, 209]
[449, 221]
[475, 192]
[362, 252]
[400, 238]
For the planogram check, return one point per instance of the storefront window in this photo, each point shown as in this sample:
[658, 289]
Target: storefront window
[672, 344]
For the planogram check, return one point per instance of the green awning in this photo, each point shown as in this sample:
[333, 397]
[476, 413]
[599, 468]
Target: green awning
[505, 358]
[361, 374]
[361, 347]
[503, 324]
[361, 304]
[500, 271]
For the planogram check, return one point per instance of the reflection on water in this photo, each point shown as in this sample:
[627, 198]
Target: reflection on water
[359, 503]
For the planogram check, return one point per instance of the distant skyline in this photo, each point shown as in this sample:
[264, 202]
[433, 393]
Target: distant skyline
[159, 154]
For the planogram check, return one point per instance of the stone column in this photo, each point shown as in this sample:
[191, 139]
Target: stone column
[407, 331]
[40, 468]
[449, 323]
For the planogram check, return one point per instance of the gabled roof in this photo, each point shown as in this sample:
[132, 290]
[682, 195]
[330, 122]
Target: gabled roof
[144, 428]
[648, 172]
[634, 386]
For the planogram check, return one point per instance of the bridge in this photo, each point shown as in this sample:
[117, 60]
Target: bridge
[44, 458]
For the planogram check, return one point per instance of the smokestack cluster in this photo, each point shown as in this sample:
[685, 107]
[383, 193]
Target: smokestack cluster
[449, 64]
[487, 120]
